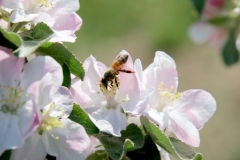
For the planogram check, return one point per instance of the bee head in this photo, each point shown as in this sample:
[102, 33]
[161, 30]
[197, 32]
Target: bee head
[123, 59]
[104, 82]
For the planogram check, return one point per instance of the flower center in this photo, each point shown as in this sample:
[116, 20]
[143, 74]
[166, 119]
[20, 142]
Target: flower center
[42, 3]
[168, 95]
[11, 98]
[109, 94]
[48, 122]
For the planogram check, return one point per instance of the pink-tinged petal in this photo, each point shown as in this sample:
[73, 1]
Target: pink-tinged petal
[29, 119]
[11, 4]
[111, 121]
[10, 136]
[4, 24]
[184, 129]
[63, 36]
[139, 74]
[63, 31]
[93, 74]
[162, 70]
[138, 104]
[33, 148]
[19, 15]
[212, 8]
[200, 32]
[72, 143]
[64, 20]
[129, 63]
[46, 18]
[198, 105]
[64, 6]
[10, 67]
[38, 68]
[64, 101]
[159, 118]
[80, 97]
[95, 145]
[128, 79]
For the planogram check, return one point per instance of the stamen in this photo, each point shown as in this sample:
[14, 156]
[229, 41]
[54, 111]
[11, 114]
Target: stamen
[168, 95]
[49, 122]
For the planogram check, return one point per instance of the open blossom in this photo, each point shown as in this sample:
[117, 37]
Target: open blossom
[181, 113]
[106, 107]
[18, 112]
[56, 134]
[59, 15]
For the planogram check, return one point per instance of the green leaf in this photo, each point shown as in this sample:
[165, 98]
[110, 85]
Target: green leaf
[148, 151]
[199, 5]
[66, 76]
[26, 42]
[230, 53]
[117, 147]
[6, 155]
[79, 116]
[198, 157]
[33, 38]
[98, 155]
[176, 148]
[219, 21]
[62, 55]
[9, 39]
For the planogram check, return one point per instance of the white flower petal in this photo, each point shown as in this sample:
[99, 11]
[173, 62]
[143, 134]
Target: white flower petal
[72, 143]
[198, 105]
[9, 73]
[28, 118]
[10, 136]
[112, 121]
[184, 129]
[160, 118]
[40, 66]
[33, 148]
[64, 101]
[162, 70]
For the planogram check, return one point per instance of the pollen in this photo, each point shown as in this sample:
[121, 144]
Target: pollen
[11, 98]
[42, 3]
[49, 122]
[168, 95]
[109, 94]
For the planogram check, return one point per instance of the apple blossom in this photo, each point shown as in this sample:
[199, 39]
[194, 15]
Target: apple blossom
[181, 113]
[106, 107]
[59, 15]
[56, 134]
[18, 112]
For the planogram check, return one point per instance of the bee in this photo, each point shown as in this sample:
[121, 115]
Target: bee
[114, 69]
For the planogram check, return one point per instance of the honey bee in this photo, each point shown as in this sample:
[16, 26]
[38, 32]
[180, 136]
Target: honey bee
[114, 70]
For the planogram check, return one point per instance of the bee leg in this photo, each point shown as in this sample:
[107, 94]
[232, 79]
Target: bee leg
[117, 72]
[116, 82]
[126, 71]
[111, 84]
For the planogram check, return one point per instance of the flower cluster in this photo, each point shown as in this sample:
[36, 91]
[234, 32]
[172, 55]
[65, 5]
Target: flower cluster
[59, 15]
[51, 104]
[151, 92]
[218, 25]
[205, 30]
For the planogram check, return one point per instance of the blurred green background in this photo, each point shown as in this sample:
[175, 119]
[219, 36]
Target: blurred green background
[142, 27]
